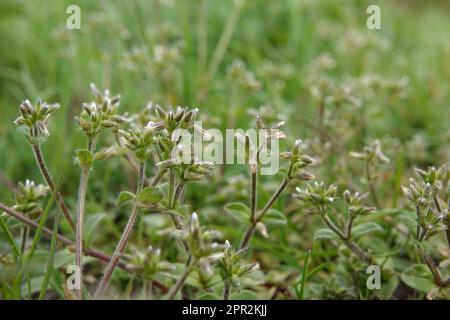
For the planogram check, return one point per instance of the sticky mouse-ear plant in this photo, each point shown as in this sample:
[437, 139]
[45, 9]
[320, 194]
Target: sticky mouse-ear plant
[373, 156]
[139, 141]
[321, 200]
[432, 214]
[180, 172]
[26, 197]
[35, 120]
[96, 117]
[298, 161]
[232, 269]
[146, 264]
[202, 247]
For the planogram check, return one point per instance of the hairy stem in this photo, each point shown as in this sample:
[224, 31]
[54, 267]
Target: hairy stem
[158, 177]
[250, 230]
[247, 236]
[448, 231]
[51, 184]
[177, 286]
[345, 237]
[253, 188]
[177, 194]
[330, 224]
[47, 232]
[447, 219]
[431, 266]
[226, 290]
[24, 238]
[350, 226]
[171, 187]
[123, 239]
[358, 251]
[274, 198]
[134, 166]
[79, 231]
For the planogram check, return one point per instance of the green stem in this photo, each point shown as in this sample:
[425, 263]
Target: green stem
[171, 187]
[181, 280]
[253, 188]
[346, 238]
[177, 194]
[51, 184]
[24, 238]
[431, 266]
[79, 230]
[226, 290]
[350, 226]
[250, 230]
[123, 239]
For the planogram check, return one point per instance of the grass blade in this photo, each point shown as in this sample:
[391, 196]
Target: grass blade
[51, 258]
[26, 261]
[12, 242]
[301, 292]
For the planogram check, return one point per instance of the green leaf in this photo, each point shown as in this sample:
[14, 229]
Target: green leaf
[274, 217]
[411, 223]
[150, 195]
[85, 158]
[365, 228]
[325, 234]
[209, 296]
[238, 211]
[125, 196]
[418, 277]
[243, 295]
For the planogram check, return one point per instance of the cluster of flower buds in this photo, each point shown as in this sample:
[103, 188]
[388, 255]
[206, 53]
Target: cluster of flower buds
[180, 118]
[230, 267]
[424, 196]
[148, 262]
[372, 153]
[431, 222]
[299, 162]
[35, 118]
[201, 242]
[197, 170]
[317, 195]
[100, 114]
[189, 169]
[354, 202]
[438, 179]
[238, 74]
[420, 194]
[276, 75]
[27, 196]
[139, 140]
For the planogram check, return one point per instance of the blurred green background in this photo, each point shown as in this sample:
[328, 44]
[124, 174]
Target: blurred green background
[40, 57]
